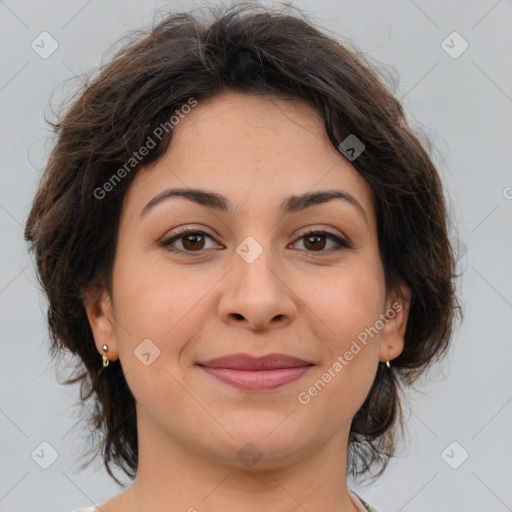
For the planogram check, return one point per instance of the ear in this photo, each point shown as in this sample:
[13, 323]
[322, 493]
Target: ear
[393, 333]
[98, 307]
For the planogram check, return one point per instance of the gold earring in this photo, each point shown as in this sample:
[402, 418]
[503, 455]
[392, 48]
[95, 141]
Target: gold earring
[387, 362]
[106, 360]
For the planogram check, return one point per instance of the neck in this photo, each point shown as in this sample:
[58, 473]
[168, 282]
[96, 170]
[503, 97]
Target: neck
[172, 477]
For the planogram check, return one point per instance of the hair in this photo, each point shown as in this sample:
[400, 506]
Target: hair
[251, 49]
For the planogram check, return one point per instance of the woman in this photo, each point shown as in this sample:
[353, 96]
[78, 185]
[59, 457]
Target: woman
[245, 244]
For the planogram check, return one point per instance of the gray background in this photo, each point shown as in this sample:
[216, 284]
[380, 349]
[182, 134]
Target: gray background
[463, 104]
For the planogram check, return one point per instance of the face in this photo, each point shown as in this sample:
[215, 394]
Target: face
[260, 272]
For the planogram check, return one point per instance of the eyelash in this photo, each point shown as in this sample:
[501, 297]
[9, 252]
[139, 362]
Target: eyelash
[167, 244]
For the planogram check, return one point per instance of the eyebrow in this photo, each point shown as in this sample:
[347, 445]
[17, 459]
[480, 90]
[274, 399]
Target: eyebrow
[290, 204]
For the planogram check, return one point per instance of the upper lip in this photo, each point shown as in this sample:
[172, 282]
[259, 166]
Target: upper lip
[247, 362]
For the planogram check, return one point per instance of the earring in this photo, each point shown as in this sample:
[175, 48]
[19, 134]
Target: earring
[387, 362]
[106, 360]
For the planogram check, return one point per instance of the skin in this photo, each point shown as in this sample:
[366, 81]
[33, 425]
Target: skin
[295, 298]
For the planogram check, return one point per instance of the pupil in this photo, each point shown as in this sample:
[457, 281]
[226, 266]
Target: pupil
[316, 237]
[194, 239]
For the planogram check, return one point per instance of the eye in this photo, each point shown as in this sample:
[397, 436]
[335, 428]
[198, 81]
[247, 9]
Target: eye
[194, 241]
[316, 241]
[191, 241]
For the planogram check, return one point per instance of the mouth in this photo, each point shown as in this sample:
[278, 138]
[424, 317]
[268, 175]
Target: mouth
[256, 373]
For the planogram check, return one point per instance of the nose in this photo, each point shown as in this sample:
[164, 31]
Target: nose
[257, 296]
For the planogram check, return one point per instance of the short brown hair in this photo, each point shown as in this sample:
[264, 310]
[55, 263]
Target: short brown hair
[251, 49]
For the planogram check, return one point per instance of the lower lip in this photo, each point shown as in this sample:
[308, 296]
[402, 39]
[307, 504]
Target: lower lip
[257, 380]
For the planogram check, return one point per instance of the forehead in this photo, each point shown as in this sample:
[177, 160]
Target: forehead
[253, 149]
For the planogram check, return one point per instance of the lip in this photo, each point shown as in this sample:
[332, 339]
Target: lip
[256, 373]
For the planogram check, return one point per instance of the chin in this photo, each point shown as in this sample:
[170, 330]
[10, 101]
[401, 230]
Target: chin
[262, 446]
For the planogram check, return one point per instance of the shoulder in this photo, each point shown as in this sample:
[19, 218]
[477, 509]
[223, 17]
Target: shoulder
[369, 507]
[363, 506]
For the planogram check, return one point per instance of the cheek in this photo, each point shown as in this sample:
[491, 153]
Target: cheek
[350, 301]
[144, 290]
[344, 317]
[350, 307]
[156, 301]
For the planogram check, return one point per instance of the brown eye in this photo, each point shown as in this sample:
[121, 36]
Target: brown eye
[191, 241]
[313, 242]
[316, 241]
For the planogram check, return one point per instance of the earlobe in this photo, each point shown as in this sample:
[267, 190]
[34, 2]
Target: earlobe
[393, 332]
[99, 312]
